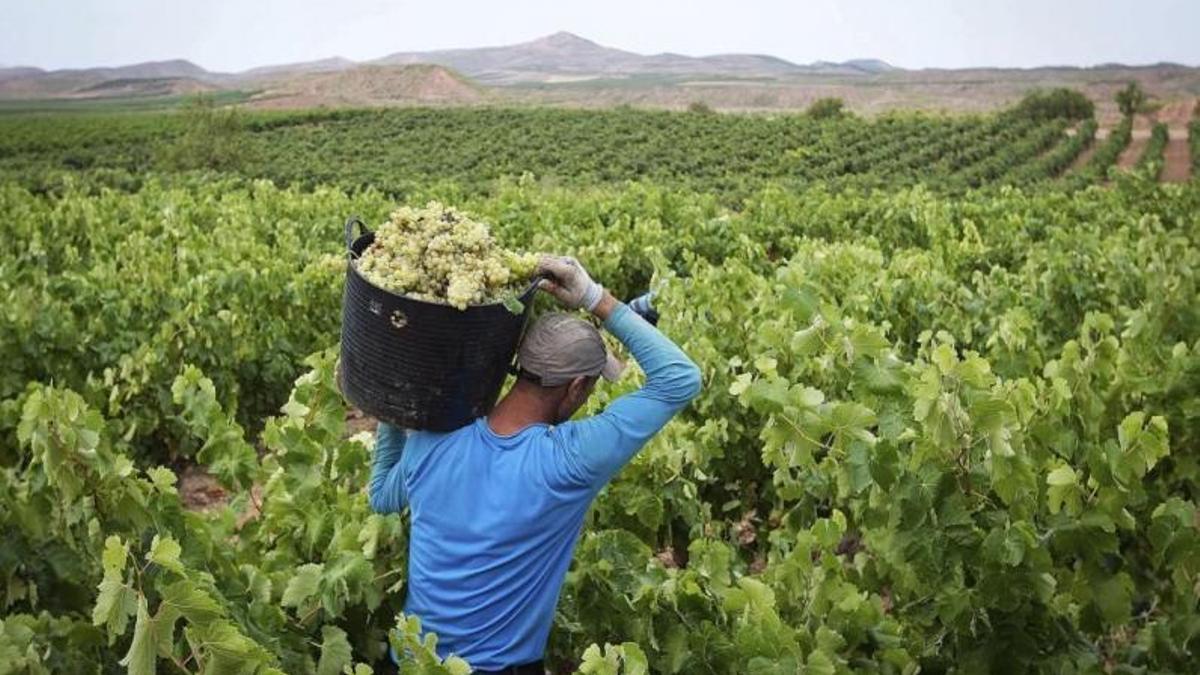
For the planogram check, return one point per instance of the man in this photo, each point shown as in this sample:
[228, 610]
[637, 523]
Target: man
[497, 506]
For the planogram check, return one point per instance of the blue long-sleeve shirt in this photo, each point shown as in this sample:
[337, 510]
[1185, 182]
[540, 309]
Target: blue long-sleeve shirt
[495, 519]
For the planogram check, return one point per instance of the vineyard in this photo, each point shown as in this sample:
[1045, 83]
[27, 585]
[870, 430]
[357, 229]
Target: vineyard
[949, 418]
[402, 151]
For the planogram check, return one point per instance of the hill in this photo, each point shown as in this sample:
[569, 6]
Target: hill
[549, 58]
[333, 64]
[172, 77]
[569, 70]
[368, 85]
[150, 86]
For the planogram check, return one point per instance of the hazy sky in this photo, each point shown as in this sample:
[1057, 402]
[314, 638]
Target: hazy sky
[230, 35]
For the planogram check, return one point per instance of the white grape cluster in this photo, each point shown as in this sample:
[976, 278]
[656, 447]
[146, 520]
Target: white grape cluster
[440, 254]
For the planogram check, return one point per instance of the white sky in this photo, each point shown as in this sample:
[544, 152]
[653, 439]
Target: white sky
[230, 35]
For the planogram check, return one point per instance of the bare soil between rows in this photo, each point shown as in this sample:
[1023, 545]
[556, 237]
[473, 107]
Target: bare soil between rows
[1134, 151]
[1084, 157]
[1177, 166]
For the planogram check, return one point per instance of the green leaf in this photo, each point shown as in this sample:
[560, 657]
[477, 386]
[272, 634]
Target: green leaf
[513, 304]
[163, 479]
[142, 657]
[634, 659]
[750, 594]
[740, 384]
[944, 358]
[1063, 475]
[675, 651]
[164, 551]
[368, 536]
[335, 651]
[115, 554]
[226, 649]
[807, 397]
[1113, 597]
[295, 409]
[596, 662]
[456, 666]
[819, 663]
[808, 341]
[991, 414]
[768, 394]
[303, 585]
[116, 601]
[1013, 478]
[1063, 490]
[849, 421]
[1143, 442]
[190, 601]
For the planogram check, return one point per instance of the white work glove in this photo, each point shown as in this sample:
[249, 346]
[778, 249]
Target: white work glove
[569, 282]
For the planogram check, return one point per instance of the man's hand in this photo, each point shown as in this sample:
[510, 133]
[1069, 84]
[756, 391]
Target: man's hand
[569, 282]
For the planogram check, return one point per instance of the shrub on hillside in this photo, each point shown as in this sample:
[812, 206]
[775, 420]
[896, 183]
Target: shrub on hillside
[1055, 104]
[827, 108]
[213, 138]
[1131, 99]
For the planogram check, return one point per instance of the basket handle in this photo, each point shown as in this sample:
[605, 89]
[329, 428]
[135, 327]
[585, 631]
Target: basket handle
[533, 285]
[362, 231]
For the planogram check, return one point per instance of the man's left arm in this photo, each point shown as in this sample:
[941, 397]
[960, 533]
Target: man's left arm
[387, 493]
[602, 444]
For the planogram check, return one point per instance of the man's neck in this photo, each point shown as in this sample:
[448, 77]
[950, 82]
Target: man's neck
[517, 410]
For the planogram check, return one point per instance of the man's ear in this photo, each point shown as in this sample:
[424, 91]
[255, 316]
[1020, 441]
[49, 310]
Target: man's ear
[577, 389]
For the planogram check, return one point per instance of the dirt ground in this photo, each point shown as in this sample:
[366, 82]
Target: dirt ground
[1178, 161]
[1084, 157]
[1177, 167]
[1133, 152]
[357, 422]
[200, 491]
[1175, 114]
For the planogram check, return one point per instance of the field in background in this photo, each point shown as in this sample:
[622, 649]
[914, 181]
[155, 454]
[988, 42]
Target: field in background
[399, 150]
[954, 92]
[123, 104]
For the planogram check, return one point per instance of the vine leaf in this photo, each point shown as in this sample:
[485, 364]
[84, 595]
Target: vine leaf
[335, 651]
[143, 651]
[303, 585]
[164, 552]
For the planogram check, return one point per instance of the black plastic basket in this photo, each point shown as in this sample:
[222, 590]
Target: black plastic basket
[422, 365]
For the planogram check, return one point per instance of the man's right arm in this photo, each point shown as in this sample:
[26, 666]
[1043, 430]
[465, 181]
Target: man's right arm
[386, 493]
[597, 447]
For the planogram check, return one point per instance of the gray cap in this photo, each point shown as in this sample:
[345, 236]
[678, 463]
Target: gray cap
[559, 347]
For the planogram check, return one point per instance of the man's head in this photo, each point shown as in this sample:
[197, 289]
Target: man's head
[560, 359]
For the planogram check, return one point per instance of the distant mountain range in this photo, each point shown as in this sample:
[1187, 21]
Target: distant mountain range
[568, 54]
[565, 69]
[548, 59]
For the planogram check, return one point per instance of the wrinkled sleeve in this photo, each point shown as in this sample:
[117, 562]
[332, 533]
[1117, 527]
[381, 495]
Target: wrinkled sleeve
[386, 493]
[594, 449]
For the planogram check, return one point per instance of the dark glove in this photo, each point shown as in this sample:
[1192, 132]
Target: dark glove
[642, 306]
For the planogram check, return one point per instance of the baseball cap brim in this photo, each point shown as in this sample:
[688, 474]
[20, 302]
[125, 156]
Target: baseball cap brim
[613, 367]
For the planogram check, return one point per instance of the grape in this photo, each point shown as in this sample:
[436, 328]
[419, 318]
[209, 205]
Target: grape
[439, 254]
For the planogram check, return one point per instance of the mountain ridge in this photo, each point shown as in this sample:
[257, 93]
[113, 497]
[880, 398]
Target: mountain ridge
[559, 53]
[565, 69]
[567, 53]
